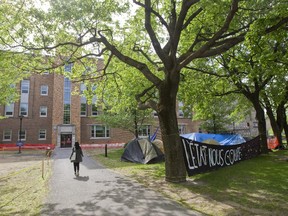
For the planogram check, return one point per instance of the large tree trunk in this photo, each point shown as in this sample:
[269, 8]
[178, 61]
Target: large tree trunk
[281, 121]
[260, 116]
[136, 125]
[274, 124]
[174, 158]
[285, 126]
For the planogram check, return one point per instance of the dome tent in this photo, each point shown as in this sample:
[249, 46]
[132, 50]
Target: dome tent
[142, 151]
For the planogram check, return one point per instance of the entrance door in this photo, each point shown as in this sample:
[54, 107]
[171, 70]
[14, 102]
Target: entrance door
[66, 140]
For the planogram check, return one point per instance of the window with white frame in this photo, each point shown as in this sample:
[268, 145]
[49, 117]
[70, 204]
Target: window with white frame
[25, 84]
[44, 90]
[144, 131]
[83, 108]
[68, 67]
[100, 131]
[9, 110]
[24, 99]
[67, 98]
[24, 109]
[182, 128]
[82, 89]
[94, 110]
[7, 135]
[23, 135]
[180, 110]
[42, 134]
[43, 111]
[155, 114]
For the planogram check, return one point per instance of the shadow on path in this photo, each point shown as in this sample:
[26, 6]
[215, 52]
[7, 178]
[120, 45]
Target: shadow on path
[99, 191]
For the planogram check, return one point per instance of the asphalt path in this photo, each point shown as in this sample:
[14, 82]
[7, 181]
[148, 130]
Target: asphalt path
[100, 191]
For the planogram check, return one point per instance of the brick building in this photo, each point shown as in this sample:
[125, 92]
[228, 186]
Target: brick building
[48, 113]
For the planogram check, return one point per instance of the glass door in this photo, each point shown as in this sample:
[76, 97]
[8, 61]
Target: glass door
[66, 140]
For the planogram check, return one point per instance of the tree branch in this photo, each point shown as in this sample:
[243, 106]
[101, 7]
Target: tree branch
[188, 57]
[236, 91]
[190, 19]
[149, 103]
[151, 33]
[126, 59]
[277, 25]
[207, 72]
[138, 49]
[163, 22]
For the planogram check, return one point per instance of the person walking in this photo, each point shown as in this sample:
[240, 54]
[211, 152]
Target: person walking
[76, 157]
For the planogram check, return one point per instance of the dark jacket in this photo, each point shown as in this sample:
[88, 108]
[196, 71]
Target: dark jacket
[79, 154]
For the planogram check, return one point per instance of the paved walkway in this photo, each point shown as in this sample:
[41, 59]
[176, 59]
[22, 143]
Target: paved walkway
[101, 192]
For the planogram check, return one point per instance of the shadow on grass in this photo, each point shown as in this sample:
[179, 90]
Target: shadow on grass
[9, 212]
[21, 192]
[258, 185]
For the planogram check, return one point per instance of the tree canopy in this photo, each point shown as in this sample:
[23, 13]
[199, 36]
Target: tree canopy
[158, 40]
[254, 69]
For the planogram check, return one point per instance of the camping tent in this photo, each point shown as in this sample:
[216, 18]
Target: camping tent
[142, 151]
[222, 139]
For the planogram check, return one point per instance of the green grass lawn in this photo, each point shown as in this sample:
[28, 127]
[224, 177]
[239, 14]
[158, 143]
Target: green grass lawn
[258, 186]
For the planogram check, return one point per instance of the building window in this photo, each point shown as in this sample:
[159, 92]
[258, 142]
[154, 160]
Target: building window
[66, 117]
[67, 100]
[82, 89]
[9, 110]
[44, 90]
[155, 114]
[23, 135]
[94, 110]
[67, 95]
[182, 129]
[83, 109]
[144, 131]
[42, 134]
[68, 67]
[180, 110]
[7, 135]
[25, 86]
[24, 109]
[43, 111]
[100, 131]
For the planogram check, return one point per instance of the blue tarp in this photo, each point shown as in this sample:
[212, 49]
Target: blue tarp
[223, 139]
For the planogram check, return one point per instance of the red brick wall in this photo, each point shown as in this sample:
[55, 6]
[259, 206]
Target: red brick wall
[33, 122]
[57, 100]
[54, 103]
